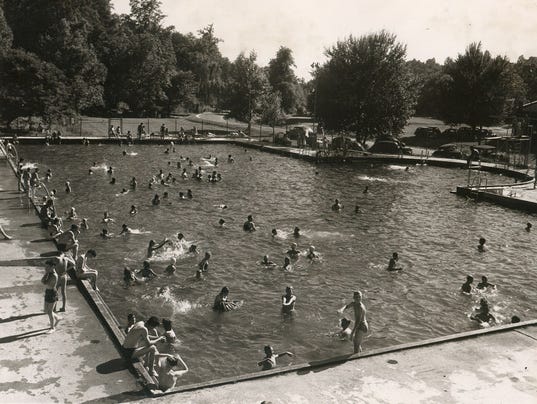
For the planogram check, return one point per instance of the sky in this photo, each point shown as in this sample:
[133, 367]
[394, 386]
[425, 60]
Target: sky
[429, 28]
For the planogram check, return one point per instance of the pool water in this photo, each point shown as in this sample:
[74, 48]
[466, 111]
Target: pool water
[411, 212]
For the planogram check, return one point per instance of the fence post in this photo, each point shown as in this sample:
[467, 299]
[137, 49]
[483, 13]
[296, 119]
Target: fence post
[80, 127]
[148, 131]
[175, 125]
[202, 126]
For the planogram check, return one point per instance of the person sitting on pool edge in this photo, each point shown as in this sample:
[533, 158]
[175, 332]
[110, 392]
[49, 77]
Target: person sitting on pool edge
[249, 225]
[167, 374]
[269, 361]
[139, 343]
[393, 262]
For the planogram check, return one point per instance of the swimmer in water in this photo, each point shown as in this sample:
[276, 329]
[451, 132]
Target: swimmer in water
[528, 227]
[125, 230]
[182, 195]
[287, 264]
[312, 254]
[133, 183]
[269, 361]
[484, 284]
[113, 180]
[481, 246]
[199, 274]
[230, 159]
[184, 174]
[107, 218]
[204, 263]
[153, 246]
[249, 225]
[267, 262]
[189, 194]
[90, 172]
[156, 200]
[124, 191]
[366, 189]
[84, 224]
[180, 238]
[165, 196]
[193, 249]
[105, 234]
[221, 302]
[72, 214]
[345, 333]
[357, 209]
[170, 269]
[482, 315]
[337, 206]
[124, 152]
[133, 210]
[467, 286]
[129, 278]
[293, 252]
[274, 232]
[288, 301]
[110, 170]
[221, 223]
[296, 232]
[68, 187]
[393, 262]
[146, 271]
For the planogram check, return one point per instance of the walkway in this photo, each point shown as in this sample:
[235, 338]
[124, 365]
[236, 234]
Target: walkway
[77, 363]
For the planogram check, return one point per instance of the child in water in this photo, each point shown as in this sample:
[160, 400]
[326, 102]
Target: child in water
[269, 361]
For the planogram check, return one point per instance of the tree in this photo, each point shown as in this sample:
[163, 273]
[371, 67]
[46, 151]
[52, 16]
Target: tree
[527, 71]
[6, 36]
[147, 14]
[248, 85]
[476, 88]
[271, 109]
[284, 81]
[30, 87]
[364, 87]
[425, 79]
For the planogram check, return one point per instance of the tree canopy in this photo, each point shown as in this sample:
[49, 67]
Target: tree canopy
[364, 87]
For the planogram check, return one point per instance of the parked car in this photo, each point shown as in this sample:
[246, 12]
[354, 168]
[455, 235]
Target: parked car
[450, 133]
[450, 151]
[390, 146]
[282, 139]
[343, 142]
[429, 132]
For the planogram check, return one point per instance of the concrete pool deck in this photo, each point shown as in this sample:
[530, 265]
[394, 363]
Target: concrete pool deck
[80, 363]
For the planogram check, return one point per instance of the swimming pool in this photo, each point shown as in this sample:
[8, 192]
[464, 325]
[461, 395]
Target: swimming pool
[411, 212]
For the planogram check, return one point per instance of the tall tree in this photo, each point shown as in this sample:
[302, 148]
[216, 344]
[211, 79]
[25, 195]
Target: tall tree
[6, 36]
[249, 85]
[284, 81]
[30, 87]
[425, 77]
[527, 71]
[476, 88]
[364, 87]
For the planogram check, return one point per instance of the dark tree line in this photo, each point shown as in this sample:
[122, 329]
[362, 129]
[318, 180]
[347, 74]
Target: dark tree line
[73, 57]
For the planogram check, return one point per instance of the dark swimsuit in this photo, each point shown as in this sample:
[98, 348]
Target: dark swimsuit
[51, 296]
